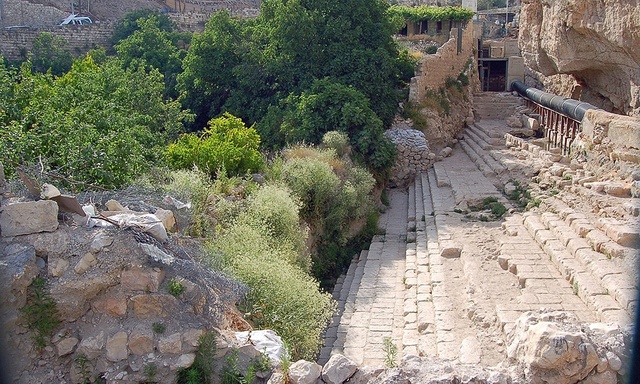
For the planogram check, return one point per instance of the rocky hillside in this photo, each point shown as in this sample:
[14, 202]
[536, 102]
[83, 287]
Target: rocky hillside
[584, 49]
[128, 299]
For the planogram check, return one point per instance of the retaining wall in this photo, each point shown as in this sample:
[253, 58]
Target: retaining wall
[15, 43]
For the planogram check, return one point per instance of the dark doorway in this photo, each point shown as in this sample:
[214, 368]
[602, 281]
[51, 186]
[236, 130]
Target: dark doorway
[493, 74]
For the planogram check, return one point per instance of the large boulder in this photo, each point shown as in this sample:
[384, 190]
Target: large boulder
[577, 49]
[551, 347]
[17, 270]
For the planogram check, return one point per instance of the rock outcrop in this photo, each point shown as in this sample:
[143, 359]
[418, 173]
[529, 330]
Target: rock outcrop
[118, 312]
[585, 50]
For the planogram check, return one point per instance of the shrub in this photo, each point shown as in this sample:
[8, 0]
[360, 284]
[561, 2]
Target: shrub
[334, 194]
[226, 144]
[338, 141]
[201, 370]
[314, 183]
[158, 328]
[290, 299]
[175, 287]
[432, 49]
[274, 211]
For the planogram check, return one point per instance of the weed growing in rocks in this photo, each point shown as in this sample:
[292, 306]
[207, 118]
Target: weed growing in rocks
[81, 362]
[390, 353]
[175, 287]
[150, 370]
[230, 371]
[158, 328]
[491, 204]
[201, 370]
[521, 195]
[40, 312]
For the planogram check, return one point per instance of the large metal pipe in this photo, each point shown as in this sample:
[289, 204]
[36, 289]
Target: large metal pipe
[575, 109]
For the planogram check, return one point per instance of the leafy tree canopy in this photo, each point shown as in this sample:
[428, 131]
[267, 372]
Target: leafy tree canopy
[151, 45]
[49, 53]
[260, 69]
[99, 124]
[129, 24]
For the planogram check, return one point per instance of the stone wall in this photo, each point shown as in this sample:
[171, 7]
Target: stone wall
[18, 12]
[447, 62]
[414, 156]
[15, 43]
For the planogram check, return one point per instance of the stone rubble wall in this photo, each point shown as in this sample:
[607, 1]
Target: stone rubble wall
[447, 62]
[15, 43]
[413, 157]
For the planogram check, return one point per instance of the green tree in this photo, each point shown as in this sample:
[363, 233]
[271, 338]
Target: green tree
[331, 106]
[99, 124]
[152, 46]
[129, 24]
[49, 53]
[207, 79]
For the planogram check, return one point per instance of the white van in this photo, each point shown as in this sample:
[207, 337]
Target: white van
[76, 20]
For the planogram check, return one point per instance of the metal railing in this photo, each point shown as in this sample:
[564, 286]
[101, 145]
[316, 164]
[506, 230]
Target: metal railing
[559, 117]
[559, 129]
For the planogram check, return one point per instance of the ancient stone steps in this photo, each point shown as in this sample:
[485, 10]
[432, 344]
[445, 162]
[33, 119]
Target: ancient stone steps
[594, 278]
[416, 338]
[495, 105]
[597, 252]
[536, 282]
[482, 157]
[373, 309]
[340, 293]
[541, 284]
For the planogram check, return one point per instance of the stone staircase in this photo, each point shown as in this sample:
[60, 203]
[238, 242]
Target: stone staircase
[441, 284]
[371, 295]
[495, 105]
[581, 254]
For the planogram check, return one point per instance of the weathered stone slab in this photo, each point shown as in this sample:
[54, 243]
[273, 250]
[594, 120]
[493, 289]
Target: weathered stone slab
[29, 217]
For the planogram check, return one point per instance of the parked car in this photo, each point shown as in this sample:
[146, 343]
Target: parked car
[76, 20]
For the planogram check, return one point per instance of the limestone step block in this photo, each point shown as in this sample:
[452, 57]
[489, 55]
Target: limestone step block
[482, 166]
[411, 210]
[419, 203]
[596, 239]
[533, 224]
[627, 235]
[28, 217]
[426, 194]
[442, 180]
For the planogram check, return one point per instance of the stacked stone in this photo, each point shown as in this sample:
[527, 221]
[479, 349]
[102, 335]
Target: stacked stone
[413, 158]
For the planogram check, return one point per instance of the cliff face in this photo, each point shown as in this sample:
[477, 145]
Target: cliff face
[585, 49]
